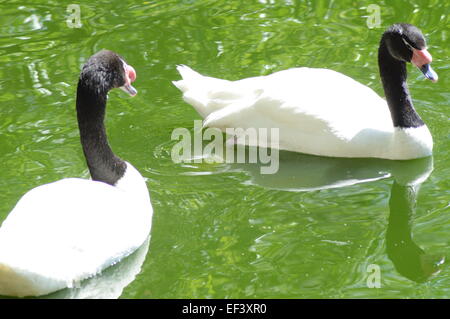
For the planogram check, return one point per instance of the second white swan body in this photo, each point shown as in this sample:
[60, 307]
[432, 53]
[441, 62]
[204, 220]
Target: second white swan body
[320, 111]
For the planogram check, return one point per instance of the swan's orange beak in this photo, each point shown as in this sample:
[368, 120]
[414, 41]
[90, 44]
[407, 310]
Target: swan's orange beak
[422, 60]
[130, 76]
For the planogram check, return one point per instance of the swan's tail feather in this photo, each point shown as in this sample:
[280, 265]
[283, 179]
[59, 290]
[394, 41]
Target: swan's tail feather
[197, 89]
[188, 75]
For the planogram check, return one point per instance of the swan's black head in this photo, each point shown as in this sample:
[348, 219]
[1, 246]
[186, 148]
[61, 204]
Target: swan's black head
[406, 43]
[106, 70]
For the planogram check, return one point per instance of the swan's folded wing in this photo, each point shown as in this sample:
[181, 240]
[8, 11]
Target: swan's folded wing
[312, 101]
[268, 113]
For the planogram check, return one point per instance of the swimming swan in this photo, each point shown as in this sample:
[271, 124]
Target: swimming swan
[323, 112]
[63, 232]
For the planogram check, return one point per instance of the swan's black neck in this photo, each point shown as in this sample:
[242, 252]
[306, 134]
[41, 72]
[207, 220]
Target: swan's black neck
[393, 76]
[103, 165]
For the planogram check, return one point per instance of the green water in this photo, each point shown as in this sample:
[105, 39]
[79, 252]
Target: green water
[223, 230]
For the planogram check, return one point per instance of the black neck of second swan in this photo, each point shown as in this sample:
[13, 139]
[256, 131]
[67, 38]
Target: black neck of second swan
[393, 76]
[103, 165]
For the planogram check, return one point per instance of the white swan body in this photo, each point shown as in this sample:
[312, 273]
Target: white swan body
[63, 232]
[317, 111]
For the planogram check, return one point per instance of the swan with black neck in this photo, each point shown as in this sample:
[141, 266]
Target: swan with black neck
[321, 111]
[63, 232]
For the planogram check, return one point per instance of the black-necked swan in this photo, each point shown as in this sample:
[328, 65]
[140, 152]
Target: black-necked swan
[321, 111]
[63, 232]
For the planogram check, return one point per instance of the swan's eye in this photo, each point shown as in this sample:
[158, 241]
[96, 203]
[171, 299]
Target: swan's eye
[409, 46]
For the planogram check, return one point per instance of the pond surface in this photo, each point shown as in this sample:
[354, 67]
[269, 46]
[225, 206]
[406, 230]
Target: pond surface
[319, 228]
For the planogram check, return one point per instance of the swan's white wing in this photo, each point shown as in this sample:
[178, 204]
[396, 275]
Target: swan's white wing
[312, 106]
[319, 107]
[303, 94]
[66, 231]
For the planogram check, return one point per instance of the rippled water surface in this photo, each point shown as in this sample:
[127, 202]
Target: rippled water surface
[223, 230]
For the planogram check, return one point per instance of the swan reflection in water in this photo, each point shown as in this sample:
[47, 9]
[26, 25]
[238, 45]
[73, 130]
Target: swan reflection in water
[409, 259]
[111, 282]
[303, 173]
